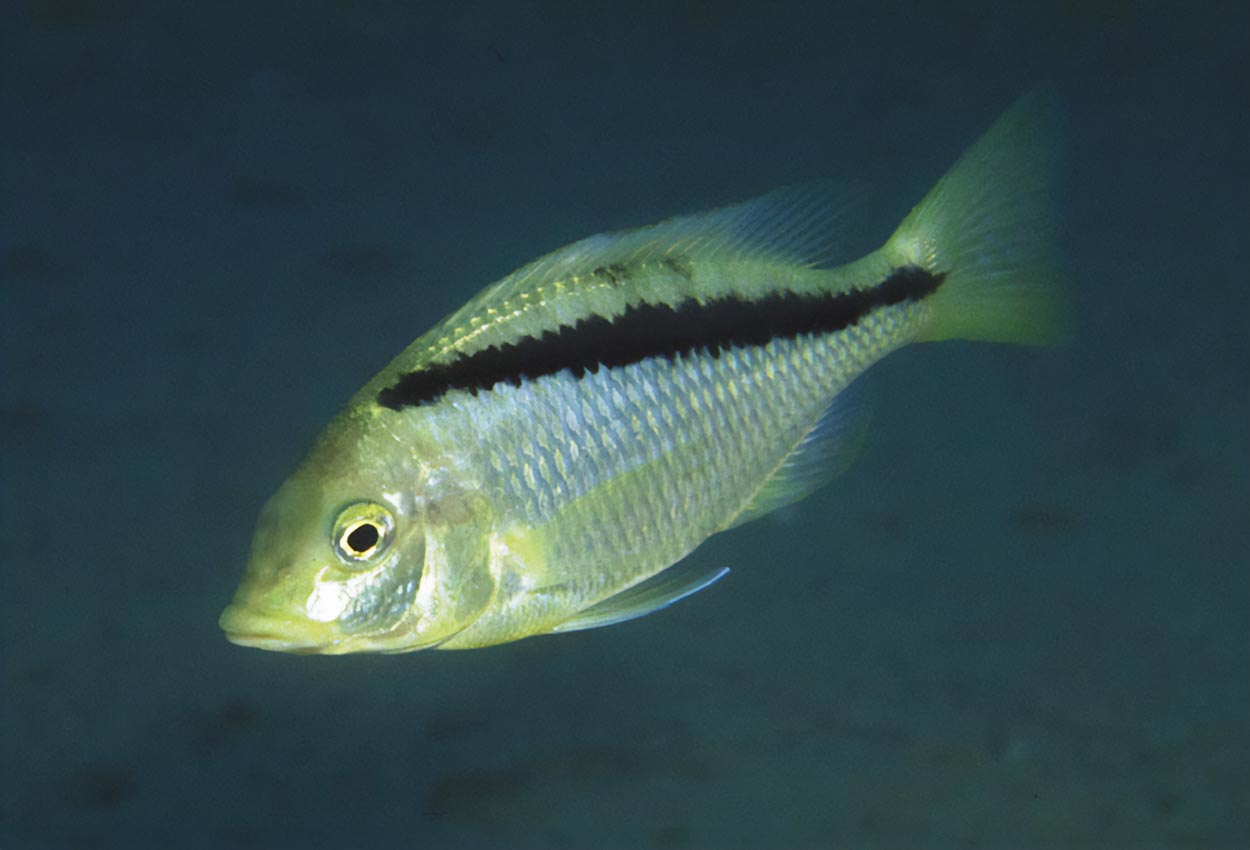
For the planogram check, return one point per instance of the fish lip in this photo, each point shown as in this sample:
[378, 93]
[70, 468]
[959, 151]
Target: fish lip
[274, 643]
[257, 628]
[258, 641]
[244, 627]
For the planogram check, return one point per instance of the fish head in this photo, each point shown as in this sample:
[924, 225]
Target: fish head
[345, 558]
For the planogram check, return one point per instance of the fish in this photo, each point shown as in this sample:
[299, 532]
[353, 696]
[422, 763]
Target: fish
[545, 458]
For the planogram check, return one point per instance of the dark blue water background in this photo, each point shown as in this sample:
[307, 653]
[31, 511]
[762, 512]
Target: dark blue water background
[1021, 620]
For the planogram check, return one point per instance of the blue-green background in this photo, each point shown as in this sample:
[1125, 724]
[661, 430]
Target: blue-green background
[1021, 620]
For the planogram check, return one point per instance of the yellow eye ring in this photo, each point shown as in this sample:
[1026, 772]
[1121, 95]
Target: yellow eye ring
[362, 532]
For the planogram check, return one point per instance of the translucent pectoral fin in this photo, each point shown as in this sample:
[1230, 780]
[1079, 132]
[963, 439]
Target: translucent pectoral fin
[657, 592]
[825, 453]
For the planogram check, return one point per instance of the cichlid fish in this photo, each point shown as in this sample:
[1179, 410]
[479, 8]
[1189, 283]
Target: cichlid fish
[541, 459]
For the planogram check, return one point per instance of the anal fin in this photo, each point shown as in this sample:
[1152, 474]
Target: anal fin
[659, 591]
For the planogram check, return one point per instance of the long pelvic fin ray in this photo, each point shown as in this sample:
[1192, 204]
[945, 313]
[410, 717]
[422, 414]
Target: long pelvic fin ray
[647, 597]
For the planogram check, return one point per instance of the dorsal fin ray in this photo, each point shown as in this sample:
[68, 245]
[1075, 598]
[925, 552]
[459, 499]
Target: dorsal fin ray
[801, 226]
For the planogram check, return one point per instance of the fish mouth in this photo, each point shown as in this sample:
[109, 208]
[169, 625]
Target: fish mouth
[246, 627]
[256, 628]
[270, 643]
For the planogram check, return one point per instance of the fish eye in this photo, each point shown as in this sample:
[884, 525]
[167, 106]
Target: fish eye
[362, 532]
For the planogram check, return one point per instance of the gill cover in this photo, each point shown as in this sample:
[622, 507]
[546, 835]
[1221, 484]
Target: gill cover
[456, 584]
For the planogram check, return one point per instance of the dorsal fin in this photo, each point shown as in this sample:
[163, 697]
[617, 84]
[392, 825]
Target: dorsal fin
[799, 226]
[825, 453]
[661, 590]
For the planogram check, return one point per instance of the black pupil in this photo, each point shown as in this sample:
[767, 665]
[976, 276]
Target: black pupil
[363, 538]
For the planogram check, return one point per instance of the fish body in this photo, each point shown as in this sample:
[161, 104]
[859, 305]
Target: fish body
[541, 459]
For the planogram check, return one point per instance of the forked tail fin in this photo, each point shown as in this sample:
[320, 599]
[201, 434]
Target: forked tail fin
[989, 226]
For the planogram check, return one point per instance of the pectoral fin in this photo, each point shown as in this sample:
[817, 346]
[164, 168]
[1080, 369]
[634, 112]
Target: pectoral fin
[657, 592]
[825, 453]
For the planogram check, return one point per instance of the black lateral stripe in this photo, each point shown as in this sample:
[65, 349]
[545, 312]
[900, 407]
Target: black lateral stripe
[649, 330]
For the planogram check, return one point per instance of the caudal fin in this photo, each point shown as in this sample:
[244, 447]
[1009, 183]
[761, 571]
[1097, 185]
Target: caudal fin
[989, 226]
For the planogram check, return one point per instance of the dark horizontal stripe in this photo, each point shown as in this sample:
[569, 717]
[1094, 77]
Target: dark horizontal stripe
[649, 330]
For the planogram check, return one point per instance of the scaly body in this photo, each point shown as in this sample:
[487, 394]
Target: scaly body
[542, 458]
